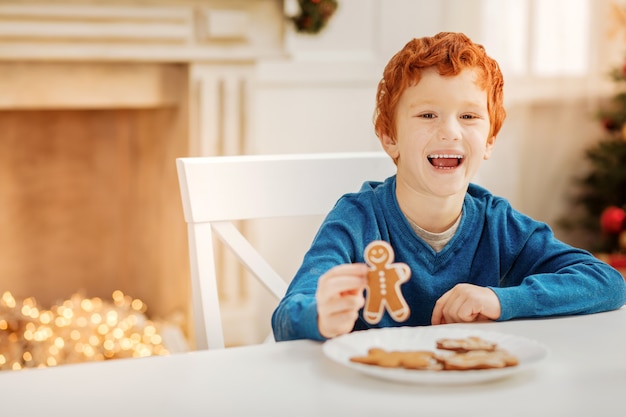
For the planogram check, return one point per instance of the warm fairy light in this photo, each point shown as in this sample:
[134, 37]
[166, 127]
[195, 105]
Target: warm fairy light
[77, 330]
[46, 317]
[95, 318]
[137, 305]
[8, 300]
[86, 304]
[103, 329]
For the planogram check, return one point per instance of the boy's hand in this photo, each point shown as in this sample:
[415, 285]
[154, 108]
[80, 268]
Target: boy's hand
[339, 297]
[465, 303]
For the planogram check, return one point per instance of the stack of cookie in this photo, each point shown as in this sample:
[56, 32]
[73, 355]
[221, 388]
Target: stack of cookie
[459, 355]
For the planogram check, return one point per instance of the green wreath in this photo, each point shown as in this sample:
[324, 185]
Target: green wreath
[313, 15]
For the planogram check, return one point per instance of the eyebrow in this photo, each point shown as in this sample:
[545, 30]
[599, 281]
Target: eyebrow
[467, 103]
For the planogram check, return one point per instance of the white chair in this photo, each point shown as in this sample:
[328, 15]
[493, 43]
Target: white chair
[216, 191]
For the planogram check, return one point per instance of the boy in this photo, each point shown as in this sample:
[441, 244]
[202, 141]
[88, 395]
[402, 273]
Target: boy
[472, 256]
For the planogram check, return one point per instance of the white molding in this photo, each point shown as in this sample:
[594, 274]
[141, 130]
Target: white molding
[184, 31]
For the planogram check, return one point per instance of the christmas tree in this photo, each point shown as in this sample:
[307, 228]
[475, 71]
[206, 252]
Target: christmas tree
[601, 192]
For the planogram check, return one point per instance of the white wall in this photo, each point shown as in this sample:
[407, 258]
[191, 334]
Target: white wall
[321, 98]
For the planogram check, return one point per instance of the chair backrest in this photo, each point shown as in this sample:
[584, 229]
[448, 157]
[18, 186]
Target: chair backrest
[216, 191]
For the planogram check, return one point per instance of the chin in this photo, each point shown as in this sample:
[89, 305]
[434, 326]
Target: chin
[449, 189]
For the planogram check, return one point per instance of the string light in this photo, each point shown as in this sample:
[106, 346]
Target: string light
[77, 330]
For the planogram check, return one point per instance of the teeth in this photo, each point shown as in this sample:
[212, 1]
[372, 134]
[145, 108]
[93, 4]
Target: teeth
[435, 156]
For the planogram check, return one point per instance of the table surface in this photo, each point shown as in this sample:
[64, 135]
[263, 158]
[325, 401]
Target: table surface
[583, 375]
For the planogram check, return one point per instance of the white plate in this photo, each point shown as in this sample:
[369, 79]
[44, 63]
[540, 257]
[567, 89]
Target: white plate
[342, 348]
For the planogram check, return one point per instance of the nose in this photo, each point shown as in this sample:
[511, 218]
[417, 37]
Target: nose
[449, 129]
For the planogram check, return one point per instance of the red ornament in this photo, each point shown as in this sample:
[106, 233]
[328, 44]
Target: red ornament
[612, 220]
[609, 124]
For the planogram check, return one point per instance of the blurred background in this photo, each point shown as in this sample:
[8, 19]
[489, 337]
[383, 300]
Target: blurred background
[98, 98]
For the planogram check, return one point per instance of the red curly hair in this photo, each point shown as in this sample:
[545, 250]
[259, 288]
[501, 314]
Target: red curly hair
[450, 53]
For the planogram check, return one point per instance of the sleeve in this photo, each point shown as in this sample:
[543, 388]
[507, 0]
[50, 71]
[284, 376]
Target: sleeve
[338, 241]
[547, 277]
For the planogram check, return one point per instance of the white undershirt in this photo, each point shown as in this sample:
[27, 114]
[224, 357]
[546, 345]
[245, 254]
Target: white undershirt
[437, 241]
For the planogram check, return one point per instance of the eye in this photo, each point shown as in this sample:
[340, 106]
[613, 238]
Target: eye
[468, 116]
[426, 115]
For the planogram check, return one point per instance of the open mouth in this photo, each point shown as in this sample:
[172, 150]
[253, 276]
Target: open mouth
[445, 161]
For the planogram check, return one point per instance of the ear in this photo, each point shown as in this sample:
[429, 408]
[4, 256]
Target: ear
[390, 146]
[491, 142]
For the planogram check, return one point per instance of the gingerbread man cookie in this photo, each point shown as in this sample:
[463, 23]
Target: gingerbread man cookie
[418, 359]
[478, 359]
[466, 344]
[383, 284]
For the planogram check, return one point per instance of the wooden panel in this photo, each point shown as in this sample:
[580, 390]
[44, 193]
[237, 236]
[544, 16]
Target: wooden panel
[27, 85]
[90, 202]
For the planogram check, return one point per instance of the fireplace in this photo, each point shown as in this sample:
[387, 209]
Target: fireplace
[96, 103]
[89, 204]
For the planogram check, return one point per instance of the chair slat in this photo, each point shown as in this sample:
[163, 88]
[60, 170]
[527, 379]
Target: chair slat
[251, 258]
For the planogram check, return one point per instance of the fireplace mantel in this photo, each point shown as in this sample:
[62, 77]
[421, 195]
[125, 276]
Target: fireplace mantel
[171, 78]
[120, 53]
[141, 30]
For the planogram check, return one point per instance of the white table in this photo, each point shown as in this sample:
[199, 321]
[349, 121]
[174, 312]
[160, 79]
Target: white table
[584, 375]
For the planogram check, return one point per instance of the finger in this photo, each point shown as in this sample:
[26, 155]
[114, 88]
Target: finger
[437, 316]
[337, 324]
[456, 308]
[342, 280]
[468, 311]
[340, 286]
[335, 316]
[482, 317]
[341, 304]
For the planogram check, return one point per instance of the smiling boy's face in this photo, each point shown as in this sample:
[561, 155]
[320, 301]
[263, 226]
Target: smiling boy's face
[442, 133]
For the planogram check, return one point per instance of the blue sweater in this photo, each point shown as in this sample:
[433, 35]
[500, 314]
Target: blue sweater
[532, 273]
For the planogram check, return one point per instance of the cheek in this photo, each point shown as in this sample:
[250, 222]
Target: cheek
[416, 139]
